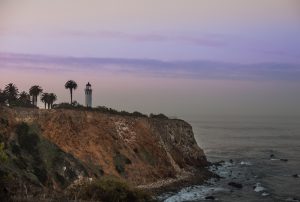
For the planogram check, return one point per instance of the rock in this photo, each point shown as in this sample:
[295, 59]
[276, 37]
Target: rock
[210, 198]
[219, 163]
[295, 176]
[231, 161]
[292, 199]
[272, 156]
[284, 160]
[235, 184]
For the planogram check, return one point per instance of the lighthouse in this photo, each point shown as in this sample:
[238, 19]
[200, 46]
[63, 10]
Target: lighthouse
[88, 95]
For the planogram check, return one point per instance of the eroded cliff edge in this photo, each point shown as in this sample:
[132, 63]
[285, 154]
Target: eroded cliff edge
[91, 144]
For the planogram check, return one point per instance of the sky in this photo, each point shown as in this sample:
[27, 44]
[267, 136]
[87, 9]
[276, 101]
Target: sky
[192, 57]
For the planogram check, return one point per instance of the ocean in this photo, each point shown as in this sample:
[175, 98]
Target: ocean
[260, 153]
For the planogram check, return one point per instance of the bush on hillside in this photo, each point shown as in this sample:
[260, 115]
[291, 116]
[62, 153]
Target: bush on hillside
[27, 141]
[158, 116]
[65, 105]
[107, 110]
[120, 162]
[3, 155]
[109, 189]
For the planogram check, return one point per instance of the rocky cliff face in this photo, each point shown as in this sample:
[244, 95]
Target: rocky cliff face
[90, 144]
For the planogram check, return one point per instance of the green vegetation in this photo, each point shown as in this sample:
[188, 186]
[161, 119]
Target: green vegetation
[11, 96]
[109, 189]
[147, 156]
[71, 85]
[158, 116]
[48, 99]
[65, 105]
[39, 161]
[11, 92]
[120, 162]
[27, 141]
[3, 155]
[104, 109]
[35, 91]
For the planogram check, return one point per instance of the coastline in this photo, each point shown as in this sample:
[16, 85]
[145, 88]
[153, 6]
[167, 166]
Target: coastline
[196, 177]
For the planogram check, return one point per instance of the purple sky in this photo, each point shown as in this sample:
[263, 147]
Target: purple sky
[232, 57]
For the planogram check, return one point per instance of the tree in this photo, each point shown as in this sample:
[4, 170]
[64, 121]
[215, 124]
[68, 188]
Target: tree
[3, 97]
[24, 99]
[71, 85]
[11, 92]
[48, 99]
[35, 91]
[45, 99]
[52, 99]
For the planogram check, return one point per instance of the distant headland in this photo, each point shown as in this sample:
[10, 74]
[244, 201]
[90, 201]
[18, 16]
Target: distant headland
[73, 151]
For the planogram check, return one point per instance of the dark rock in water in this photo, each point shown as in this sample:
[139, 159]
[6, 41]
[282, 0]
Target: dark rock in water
[219, 163]
[295, 176]
[210, 198]
[272, 156]
[292, 199]
[231, 161]
[284, 160]
[235, 184]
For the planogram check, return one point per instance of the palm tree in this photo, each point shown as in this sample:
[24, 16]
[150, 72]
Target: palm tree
[48, 99]
[3, 97]
[35, 91]
[45, 99]
[24, 98]
[71, 85]
[11, 92]
[52, 99]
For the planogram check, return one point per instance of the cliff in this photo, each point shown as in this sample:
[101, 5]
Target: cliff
[69, 145]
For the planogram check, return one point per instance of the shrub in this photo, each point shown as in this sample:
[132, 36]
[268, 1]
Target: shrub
[158, 116]
[65, 105]
[147, 156]
[3, 155]
[110, 189]
[104, 109]
[4, 122]
[28, 141]
[120, 161]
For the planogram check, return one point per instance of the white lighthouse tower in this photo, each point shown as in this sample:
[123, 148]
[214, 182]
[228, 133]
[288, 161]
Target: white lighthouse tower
[88, 95]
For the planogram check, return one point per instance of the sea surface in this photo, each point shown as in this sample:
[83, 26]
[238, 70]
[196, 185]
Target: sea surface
[261, 153]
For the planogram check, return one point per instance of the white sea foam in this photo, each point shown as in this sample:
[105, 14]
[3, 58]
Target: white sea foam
[265, 194]
[274, 159]
[246, 163]
[194, 193]
[259, 188]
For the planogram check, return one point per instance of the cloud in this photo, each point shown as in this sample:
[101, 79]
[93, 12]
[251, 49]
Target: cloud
[154, 68]
[205, 40]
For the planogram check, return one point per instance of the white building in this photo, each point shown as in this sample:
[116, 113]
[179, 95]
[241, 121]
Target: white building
[88, 95]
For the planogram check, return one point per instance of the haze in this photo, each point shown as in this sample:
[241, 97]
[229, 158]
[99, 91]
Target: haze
[181, 58]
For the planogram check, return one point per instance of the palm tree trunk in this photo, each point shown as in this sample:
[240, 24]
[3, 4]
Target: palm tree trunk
[71, 92]
[45, 105]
